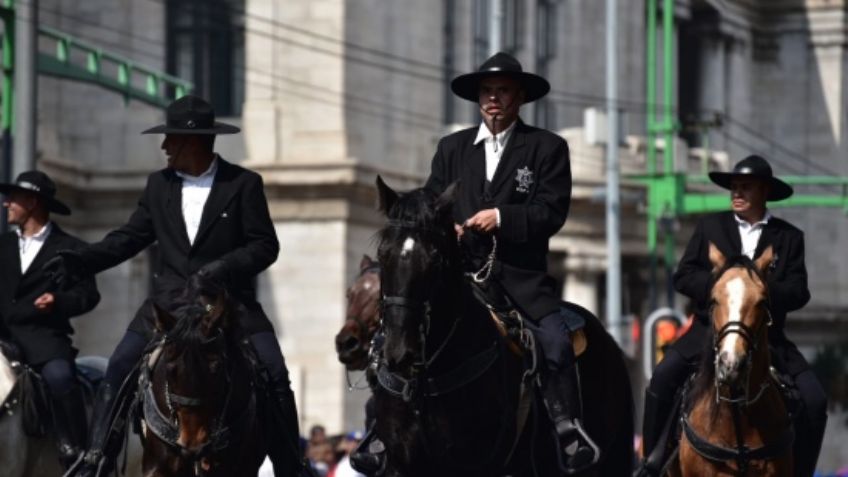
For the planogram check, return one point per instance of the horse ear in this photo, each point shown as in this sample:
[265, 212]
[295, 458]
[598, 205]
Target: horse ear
[717, 258]
[163, 321]
[444, 203]
[764, 260]
[387, 197]
[366, 263]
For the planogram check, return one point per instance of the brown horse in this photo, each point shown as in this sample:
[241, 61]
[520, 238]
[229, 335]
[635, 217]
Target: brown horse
[737, 423]
[353, 342]
[201, 415]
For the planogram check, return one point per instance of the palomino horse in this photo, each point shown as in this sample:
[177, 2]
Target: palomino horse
[450, 400]
[737, 424]
[353, 341]
[199, 402]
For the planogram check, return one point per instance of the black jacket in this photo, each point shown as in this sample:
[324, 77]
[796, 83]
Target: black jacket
[531, 188]
[41, 336]
[235, 227]
[787, 277]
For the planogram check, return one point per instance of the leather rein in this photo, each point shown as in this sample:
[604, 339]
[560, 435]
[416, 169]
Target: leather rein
[741, 454]
[164, 423]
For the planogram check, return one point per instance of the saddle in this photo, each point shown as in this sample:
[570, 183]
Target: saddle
[508, 319]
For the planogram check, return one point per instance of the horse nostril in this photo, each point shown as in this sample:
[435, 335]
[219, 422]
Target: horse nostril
[350, 343]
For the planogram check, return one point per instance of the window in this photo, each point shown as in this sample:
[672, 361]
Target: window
[205, 44]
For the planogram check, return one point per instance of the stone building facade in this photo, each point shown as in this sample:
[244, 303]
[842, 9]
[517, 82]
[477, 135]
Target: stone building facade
[330, 93]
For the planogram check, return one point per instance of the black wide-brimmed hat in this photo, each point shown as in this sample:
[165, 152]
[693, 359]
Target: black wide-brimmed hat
[467, 86]
[191, 115]
[758, 168]
[40, 184]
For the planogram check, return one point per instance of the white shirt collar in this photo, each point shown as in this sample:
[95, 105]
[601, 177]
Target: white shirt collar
[744, 223]
[213, 168]
[502, 137]
[40, 235]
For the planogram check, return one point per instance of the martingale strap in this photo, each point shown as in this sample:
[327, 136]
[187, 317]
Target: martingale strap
[717, 453]
[468, 371]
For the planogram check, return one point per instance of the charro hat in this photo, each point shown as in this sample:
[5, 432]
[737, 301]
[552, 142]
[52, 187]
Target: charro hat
[754, 167]
[191, 115]
[467, 86]
[40, 184]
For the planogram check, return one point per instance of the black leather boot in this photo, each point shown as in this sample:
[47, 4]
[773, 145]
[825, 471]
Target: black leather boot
[369, 457]
[654, 424]
[285, 453]
[561, 394]
[70, 426]
[102, 446]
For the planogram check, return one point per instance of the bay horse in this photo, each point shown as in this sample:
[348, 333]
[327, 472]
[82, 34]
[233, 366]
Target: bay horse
[362, 317]
[736, 423]
[200, 411]
[451, 389]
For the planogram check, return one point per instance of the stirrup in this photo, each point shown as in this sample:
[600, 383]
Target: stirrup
[582, 456]
[369, 457]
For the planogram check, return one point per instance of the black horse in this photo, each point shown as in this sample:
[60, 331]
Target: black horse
[200, 409]
[450, 390]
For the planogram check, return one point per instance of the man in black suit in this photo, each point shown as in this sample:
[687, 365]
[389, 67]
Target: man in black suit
[34, 315]
[748, 229]
[209, 217]
[514, 194]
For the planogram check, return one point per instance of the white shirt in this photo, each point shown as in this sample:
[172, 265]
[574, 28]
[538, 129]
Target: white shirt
[29, 246]
[195, 192]
[750, 233]
[494, 145]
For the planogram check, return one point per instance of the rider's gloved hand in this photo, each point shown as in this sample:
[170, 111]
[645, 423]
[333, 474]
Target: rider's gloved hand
[66, 268]
[215, 271]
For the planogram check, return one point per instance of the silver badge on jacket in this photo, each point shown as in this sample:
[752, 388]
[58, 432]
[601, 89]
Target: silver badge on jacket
[524, 177]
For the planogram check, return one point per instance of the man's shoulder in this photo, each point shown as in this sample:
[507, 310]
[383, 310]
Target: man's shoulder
[67, 239]
[785, 226]
[461, 136]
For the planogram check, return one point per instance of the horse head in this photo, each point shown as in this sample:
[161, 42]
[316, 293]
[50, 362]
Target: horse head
[740, 315]
[353, 341]
[418, 253]
[191, 382]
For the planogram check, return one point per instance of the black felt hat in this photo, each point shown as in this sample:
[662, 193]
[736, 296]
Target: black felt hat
[191, 115]
[758, 168]
[467, 86]
[40, 184]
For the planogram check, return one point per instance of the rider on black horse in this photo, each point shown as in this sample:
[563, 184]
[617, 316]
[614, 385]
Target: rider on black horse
[515, 188]
[33, 314]
[209, 217]
[749, 228]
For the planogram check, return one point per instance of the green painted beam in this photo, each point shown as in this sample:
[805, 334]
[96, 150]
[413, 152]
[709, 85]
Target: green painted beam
[703, 203]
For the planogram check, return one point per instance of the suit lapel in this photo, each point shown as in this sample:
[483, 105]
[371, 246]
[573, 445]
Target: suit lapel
[731, 233]
[45, 253]
[767, 237]
[222, 192]
[476, 165]
[512, 156]
[174, 204]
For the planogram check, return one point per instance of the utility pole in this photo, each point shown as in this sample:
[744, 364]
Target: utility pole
[613, 203]
[496, 17]
[26, 56]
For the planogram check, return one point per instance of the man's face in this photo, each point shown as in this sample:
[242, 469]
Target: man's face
[19, 206]
[747, 195]
[499, 99]
[179, 149]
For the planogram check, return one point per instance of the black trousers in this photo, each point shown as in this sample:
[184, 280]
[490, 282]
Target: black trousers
[552, 334]
[60, 376]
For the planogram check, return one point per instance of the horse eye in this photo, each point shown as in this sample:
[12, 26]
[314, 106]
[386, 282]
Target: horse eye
[214, 366]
